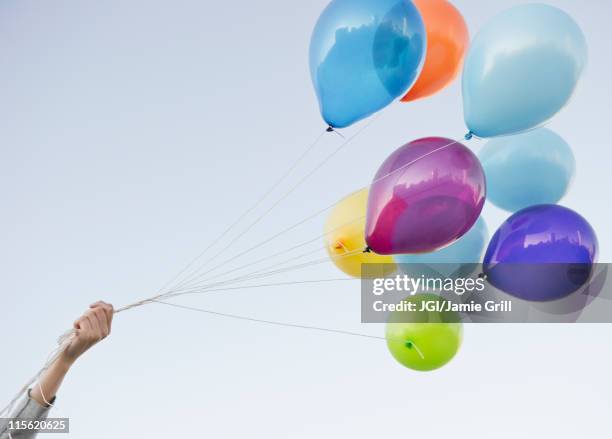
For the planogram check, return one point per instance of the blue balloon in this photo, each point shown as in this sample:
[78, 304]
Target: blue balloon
[521, 69]
[458, 259]
[531, 168]
[541, 253]
[363, 55]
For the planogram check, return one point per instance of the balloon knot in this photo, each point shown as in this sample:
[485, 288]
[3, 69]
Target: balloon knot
[331, 129]
[367, 250]
[469, 135]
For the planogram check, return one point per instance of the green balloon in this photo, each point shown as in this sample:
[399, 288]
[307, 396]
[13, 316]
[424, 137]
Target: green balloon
[424, 340]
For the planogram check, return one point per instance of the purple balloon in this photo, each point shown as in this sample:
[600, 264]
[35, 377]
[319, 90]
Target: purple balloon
[541, 253]
[425, 196]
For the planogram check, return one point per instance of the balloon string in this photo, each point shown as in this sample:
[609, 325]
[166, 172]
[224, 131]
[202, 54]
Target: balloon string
[300, 256]
[416, 348]
[403, 167]
[318, 237]
[254, 206]
[270, 238]
[159, 296]
[249, 276]
[268, 285]
[284, 324]
[269, 322]
[377, 180]
[316, 214]
[283, 197]
[260, 275]
[341, 244]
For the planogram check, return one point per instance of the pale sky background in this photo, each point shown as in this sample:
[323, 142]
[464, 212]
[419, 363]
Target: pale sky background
[132, 132]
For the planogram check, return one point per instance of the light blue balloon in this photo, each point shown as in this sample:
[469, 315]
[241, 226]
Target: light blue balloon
[531, 168]
[521, 69]
[458, 259]
[363, 55]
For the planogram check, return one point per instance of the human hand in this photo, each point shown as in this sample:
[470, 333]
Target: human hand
[90, 328]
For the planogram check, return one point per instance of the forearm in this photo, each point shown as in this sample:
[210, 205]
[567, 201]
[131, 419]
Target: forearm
[50, 381]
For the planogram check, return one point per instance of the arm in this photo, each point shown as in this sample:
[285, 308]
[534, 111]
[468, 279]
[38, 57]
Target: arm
[90, 328]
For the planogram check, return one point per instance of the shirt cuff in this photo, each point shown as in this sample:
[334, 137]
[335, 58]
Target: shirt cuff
[29, 408]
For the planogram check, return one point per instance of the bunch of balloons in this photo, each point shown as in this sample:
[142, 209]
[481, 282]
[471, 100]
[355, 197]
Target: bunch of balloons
[425, 201]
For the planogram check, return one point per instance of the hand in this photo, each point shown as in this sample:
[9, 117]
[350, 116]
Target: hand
[91, 327]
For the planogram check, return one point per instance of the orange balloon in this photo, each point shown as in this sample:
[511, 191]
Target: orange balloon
[447, 41]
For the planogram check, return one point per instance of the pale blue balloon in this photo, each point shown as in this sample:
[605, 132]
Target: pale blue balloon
[531, 168]
[521, 69]
[363, 55]
[458, 259]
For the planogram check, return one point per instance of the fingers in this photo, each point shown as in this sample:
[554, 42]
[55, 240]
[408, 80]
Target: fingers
[108, 309]
[95, 324]
[83, 327]
[102, 321]
[96, 332]
[92, 326]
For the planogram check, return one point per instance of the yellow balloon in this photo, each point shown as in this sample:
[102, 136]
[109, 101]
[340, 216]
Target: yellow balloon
[345, 234]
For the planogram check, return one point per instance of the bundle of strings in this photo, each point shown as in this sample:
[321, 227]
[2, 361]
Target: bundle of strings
[191, 283]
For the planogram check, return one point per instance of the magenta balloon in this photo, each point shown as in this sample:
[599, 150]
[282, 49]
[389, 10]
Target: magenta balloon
[425, 196]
